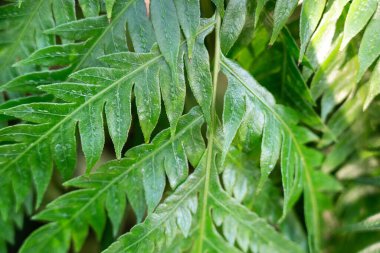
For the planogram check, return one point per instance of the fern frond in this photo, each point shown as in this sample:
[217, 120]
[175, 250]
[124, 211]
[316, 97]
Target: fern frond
[359, 14]
[293, 90]
[160, 228]
[21, 31]
[96, 87]
[282, 12]
[84, 41]
[174, 217]
[369, 49]
[139, 175]
[279, 132]
[77, 72]
[311, 14]
[323, 40]
[374, 86]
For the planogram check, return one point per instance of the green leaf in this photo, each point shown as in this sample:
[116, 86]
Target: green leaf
[358, 16]
[270, 148]
[369, 49]
[90, 91]
[298, 94]
[189, 15]
[323, 41]
[74, 212]
[234, 109]
[55, 55]
[282, 11]
[60, 244]
[249, 226]
[166, 26]
[30, 81]
[23, 33]
[64, 11]
[280, 121]
[233, 23]
[109, 7]
[140, 27]
[91, 8]
[174, 216]
[311, 13]
[168, 219]
[259, 8]
[199, 76]
[173, 89]
[93, 43]
[374, 86]
[219, 6]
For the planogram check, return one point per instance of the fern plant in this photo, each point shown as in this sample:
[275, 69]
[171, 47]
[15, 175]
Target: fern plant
[189, 125]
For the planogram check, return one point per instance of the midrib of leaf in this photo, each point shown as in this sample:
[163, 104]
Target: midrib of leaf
[298, 148]
[105, 31]
[21, 35]
[125, 173]
[211, 134]
[95, 97]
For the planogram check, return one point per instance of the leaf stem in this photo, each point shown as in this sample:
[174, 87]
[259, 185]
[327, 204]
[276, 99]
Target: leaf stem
[211, 132]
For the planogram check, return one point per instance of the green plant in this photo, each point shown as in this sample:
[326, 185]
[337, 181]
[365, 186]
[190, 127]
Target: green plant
[234, 126]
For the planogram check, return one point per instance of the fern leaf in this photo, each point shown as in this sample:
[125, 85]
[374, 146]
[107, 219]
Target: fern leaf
[171, 217]
[279, 127]
[189, 15]
[374, 85]
[253, 235]
[233, 23]
[259, 8]
[220, 6]
[336, 90]
[22, 33]
[140, 27]
[323, 40]
[130, 175]
[311, 13]
[160, 228]
[358, 16]
[109, 7]
[91, 8]
[166, 25]
[93, 43]
[369, 49]
[199, 75]
[282, 11]
[97, 88]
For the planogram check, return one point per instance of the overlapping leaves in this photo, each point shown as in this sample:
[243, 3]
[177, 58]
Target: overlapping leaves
[92, 74]
[53, 137]
[140, 175]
